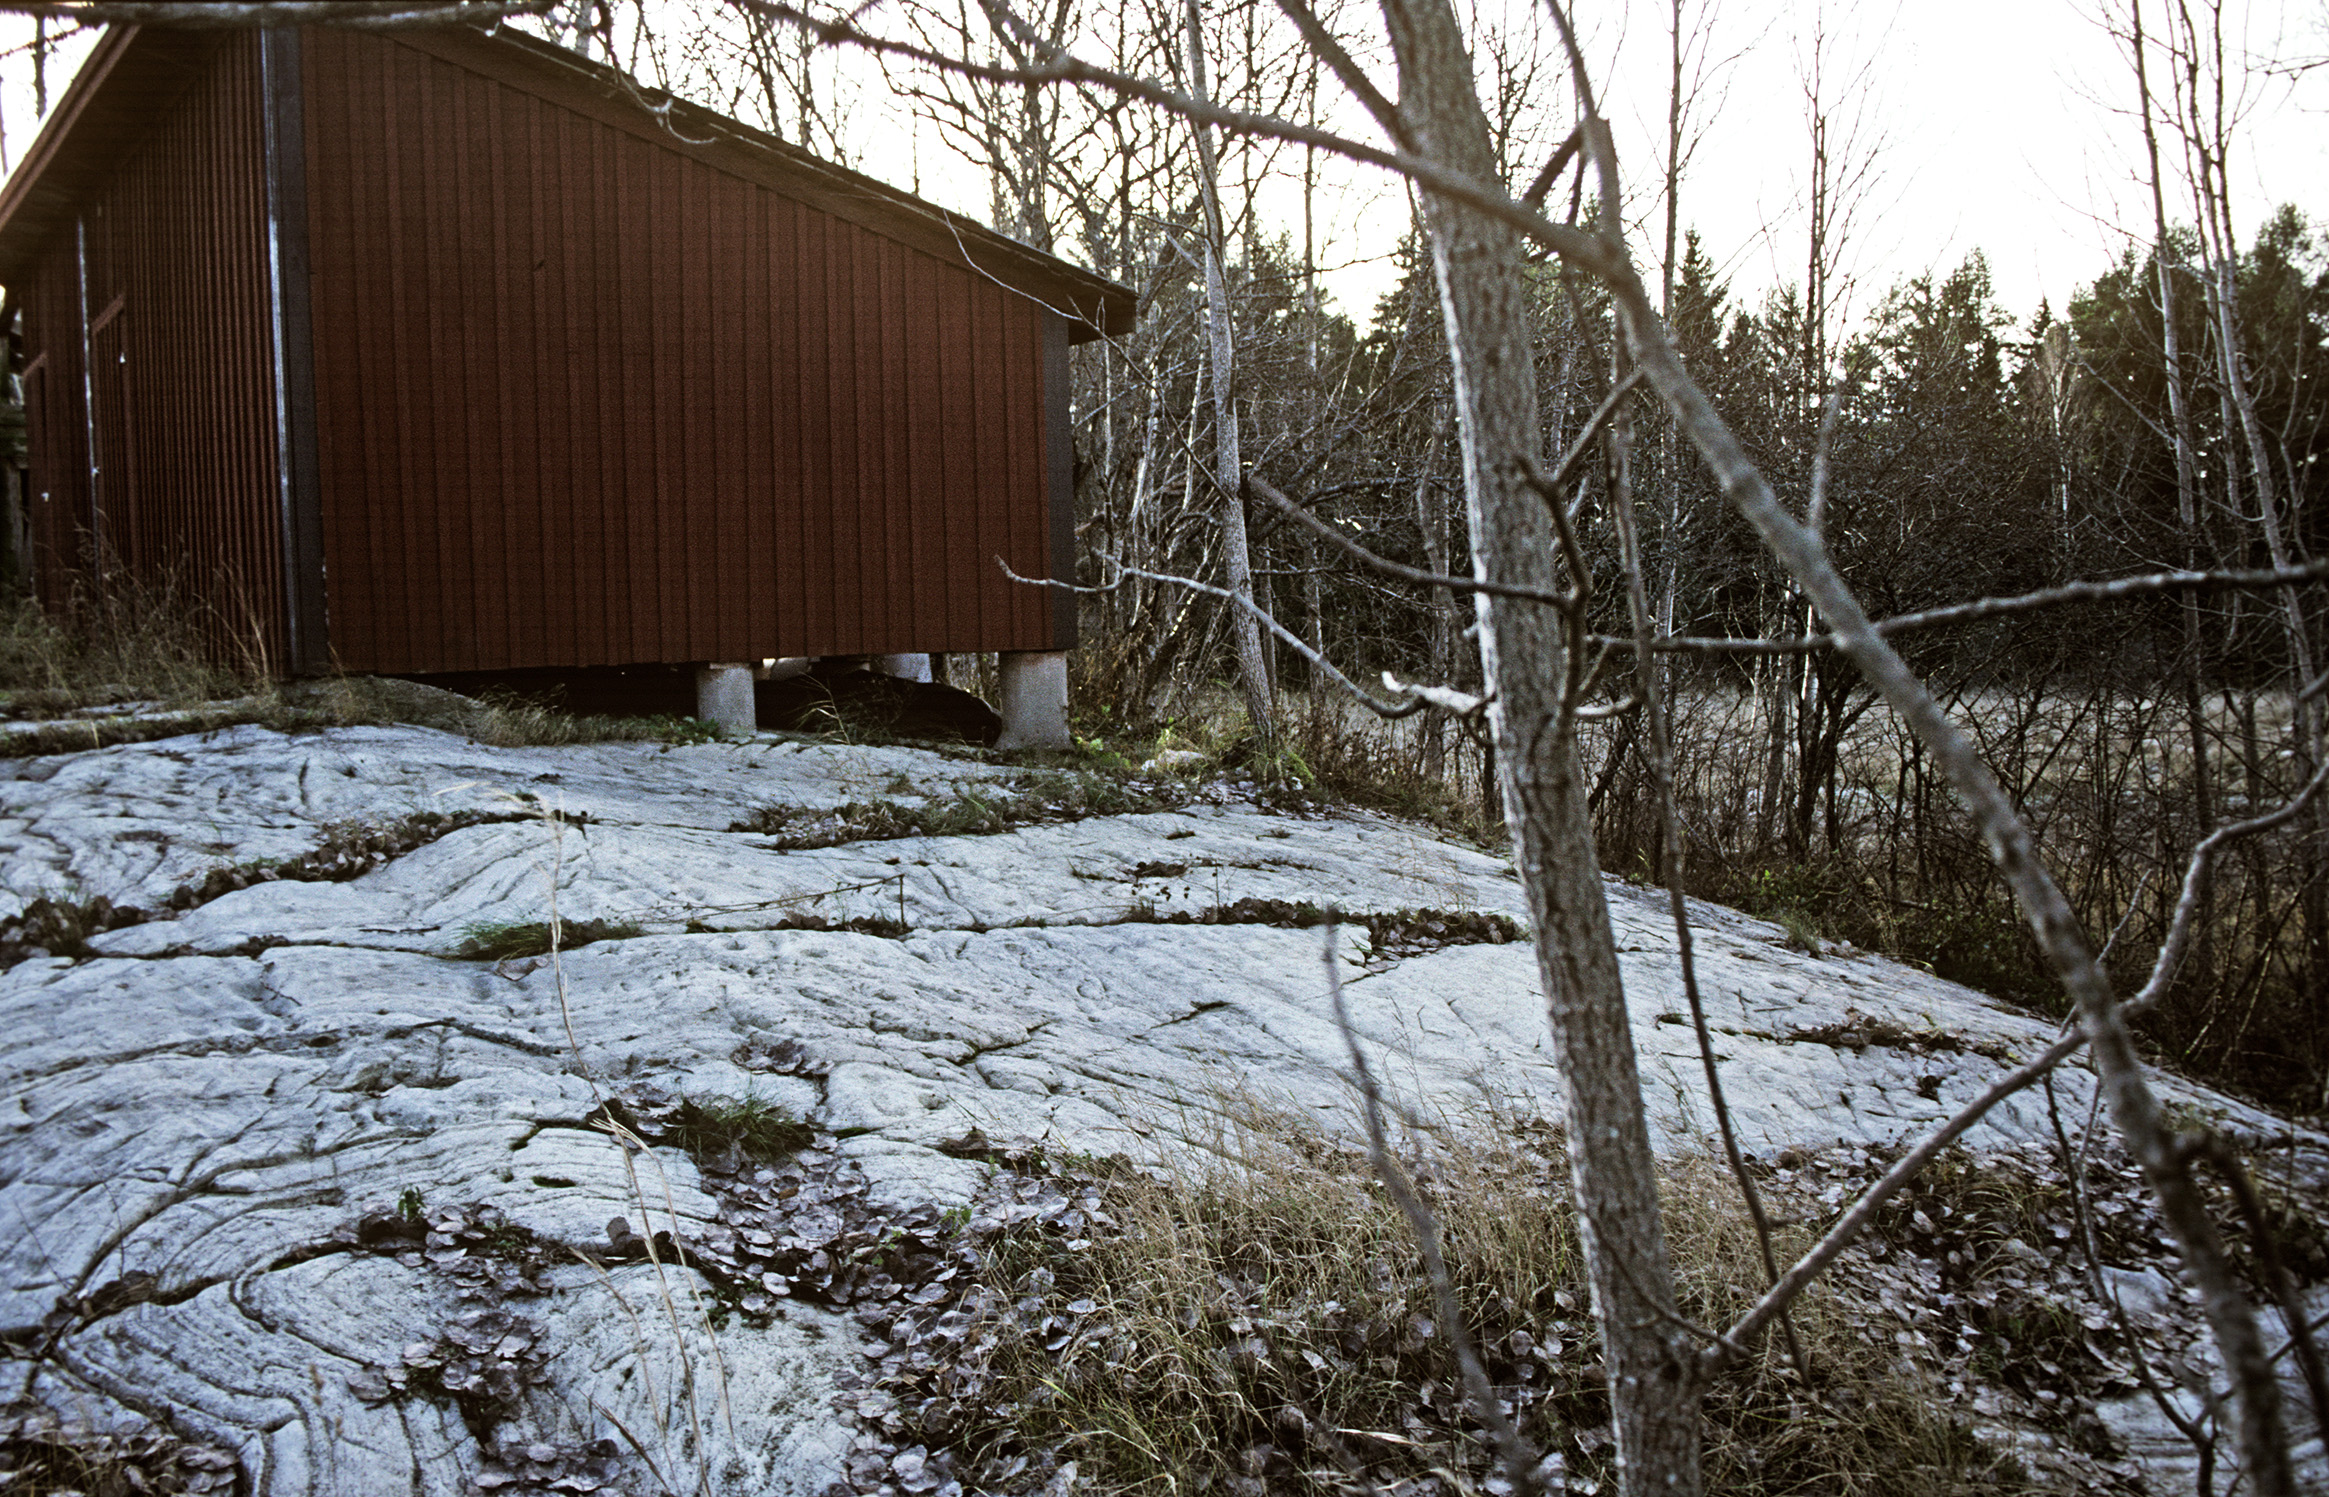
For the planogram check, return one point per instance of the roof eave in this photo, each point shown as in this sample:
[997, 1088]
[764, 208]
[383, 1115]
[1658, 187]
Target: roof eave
[132, 72]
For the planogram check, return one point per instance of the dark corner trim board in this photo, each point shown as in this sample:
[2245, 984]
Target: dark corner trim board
[1060, 464]
[300, 477]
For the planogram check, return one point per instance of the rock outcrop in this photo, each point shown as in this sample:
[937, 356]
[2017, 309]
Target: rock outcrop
[274, 1143]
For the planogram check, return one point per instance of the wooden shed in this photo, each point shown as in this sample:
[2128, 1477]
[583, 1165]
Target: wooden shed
[438, 351]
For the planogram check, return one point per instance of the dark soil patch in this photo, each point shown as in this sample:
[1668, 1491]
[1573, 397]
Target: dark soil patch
[40, 1452]
[1857, 1031]
[869, 704]
[1038, 797]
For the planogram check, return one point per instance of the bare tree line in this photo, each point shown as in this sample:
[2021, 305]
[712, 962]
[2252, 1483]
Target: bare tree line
[1534, 623]
[1504, 321]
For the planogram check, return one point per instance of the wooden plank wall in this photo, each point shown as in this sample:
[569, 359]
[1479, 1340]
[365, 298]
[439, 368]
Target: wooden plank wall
[56, 431]
[583, 400]
[178, 395]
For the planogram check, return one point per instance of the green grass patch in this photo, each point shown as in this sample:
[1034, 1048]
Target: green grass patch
[1031, 798]
[508, 940]
[751, 1126]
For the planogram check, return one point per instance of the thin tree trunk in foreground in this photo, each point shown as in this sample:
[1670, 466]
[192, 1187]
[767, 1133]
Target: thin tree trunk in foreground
[1430, 520]
[1228, 461]
[1653, 1388]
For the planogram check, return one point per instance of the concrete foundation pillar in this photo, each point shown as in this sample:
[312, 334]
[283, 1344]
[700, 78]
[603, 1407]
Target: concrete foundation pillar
[1034, 700]
[723, 697]
[904, 667]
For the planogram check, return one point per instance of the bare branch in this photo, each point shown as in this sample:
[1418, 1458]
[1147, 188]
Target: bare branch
[1391, 568]
[1863, 1211]
[1815, 512]
[1588, 434]
[1989, 608]
[1359, 693]
[1647, 691]
[2195, 882]
[1362, 88]
[367, 15]
[1449, 700]
[1603, 712]
[1586, 251]
[2212, 1147]
[2195, 1431]
[1545, 179]
[1519, 1461]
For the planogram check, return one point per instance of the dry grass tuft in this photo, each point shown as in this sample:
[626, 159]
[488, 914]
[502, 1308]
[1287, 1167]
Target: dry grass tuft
[121, 650]
[1260, 1324]
[133, 667]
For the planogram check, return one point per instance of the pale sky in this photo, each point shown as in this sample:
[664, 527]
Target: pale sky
[2009, 128]
[2002, 126]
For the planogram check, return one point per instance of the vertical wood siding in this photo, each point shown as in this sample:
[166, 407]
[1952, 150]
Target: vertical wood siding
[154, 465]
[56, 433]
[585, 400]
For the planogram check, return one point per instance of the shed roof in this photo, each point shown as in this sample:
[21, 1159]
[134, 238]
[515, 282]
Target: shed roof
[135, 72]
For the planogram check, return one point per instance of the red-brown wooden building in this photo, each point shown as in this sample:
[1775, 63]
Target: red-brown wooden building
[434, 351]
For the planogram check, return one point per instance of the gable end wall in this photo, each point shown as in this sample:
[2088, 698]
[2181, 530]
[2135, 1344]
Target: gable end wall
[584, 400]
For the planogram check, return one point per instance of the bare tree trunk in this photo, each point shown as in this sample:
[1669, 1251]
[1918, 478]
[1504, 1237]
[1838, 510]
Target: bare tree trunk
[1669, 569]
[1245, 630]
[1313, 587]
[2205, 124]
[2165, 1157]
[2186, 469]
[1431, 520]
[1654, 1391]
[1773, 696]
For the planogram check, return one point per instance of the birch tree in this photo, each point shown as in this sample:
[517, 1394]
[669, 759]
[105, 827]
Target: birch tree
[1517, 523]
[1253, 673]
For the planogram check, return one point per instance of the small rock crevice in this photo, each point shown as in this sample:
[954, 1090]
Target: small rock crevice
[73, 1312]
[350, 849]
[973, 810]
[1391, 934]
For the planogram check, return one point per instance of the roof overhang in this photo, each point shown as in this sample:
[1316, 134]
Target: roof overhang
[134, 72]
[129, 77]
